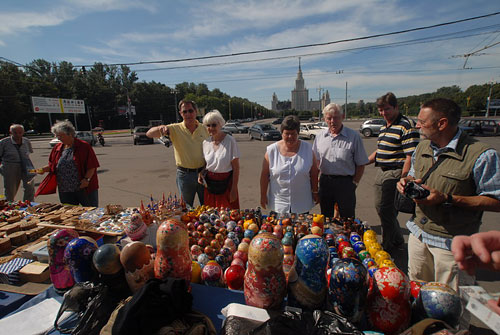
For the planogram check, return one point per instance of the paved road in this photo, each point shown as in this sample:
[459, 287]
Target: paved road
[129, 174]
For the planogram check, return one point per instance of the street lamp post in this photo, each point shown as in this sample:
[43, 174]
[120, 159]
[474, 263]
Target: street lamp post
[174, 92]
[129, 112]
[230, 109]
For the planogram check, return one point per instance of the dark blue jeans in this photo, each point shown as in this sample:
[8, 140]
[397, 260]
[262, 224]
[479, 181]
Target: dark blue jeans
[80, 198]
[187, 183]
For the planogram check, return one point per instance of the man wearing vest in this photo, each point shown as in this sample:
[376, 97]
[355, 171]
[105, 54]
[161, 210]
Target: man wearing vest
[465, 183]
[395, 145]
[187, 138]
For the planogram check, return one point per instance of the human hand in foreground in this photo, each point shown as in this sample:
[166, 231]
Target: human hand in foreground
[477, 250]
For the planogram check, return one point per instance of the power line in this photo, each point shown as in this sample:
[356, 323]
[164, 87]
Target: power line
[436, 38]
[302, 46]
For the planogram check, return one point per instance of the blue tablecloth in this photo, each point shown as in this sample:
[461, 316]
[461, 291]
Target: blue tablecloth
[206, 299]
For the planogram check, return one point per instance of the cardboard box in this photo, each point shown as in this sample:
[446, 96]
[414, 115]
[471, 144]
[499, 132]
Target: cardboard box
[35, 272]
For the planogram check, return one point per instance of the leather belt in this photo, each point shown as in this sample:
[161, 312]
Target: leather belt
[189, 170]
[335, 176]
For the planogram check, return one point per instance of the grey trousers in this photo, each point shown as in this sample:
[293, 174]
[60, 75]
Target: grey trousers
[385, 191]
[12, 177]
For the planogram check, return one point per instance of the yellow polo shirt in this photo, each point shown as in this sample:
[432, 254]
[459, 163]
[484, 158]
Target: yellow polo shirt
[188, 148]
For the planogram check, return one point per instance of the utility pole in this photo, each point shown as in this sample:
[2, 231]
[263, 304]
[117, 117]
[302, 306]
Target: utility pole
[320, 107]
[489, 100]
[345, 108]
[174, 92]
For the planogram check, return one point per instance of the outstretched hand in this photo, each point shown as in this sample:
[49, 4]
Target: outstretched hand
[477, 250]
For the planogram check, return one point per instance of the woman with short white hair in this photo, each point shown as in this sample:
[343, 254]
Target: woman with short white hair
[222, 170]
[72, 169]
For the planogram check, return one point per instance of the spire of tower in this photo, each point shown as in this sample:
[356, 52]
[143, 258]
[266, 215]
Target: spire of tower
[299, 65]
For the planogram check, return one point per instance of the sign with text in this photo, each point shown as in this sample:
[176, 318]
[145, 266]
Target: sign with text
[57, 105]
[495, 104]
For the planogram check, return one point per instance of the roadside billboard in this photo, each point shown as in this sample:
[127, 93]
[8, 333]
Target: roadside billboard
[57, 105]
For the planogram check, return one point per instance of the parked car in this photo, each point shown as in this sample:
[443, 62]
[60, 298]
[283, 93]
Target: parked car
[86, 136]
[371, 127]
[322, 124]
[140, 136]
[264, 131]
[235, 127]
[480, 126]
[309, 131]
[278, 121]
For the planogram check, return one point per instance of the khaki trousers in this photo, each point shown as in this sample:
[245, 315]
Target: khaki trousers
[430, 263]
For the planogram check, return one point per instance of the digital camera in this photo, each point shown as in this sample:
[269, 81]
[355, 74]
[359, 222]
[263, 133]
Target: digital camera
[415, 191]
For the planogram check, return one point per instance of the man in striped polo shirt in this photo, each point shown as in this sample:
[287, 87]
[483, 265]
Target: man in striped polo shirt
[395, 145]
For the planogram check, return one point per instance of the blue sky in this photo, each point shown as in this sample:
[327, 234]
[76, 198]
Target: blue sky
[113, 31]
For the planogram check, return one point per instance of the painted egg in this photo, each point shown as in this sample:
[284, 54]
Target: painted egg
[348, 288]
[265, 283]
[242, 255]
[309, 288]
[287, 240]
[339, 238]
[136, 228]
[372, 269]
[439, 301]
[107, 259]
[235, 277]
[387, 316]
[392, 284]
[238, 262]
[78, 255]
[195, 251]
[222, 261]
[60, 274]
[342, 245]
[211, 274]
[374, 248]
[138, 264]
[203, 259]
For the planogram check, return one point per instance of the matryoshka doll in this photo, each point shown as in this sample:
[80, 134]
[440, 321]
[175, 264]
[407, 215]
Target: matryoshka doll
[136, 228]
[307, 286]
[60, 275]
[265, 283]
[78, 255]
[173, 258]
[138, 263]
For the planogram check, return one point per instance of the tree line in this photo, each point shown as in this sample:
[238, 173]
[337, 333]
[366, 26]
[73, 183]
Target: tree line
[106, 91]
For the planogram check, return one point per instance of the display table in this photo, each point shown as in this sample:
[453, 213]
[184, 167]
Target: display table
[206, 299]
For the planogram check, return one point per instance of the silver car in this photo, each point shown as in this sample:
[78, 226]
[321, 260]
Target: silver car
[371, 127]
[86, 136]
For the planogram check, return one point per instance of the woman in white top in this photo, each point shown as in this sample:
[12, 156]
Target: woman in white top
[222, 170]
[289, 177]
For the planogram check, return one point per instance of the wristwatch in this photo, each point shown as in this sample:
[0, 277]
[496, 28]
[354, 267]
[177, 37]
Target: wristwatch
[448, 202]
[87, 179]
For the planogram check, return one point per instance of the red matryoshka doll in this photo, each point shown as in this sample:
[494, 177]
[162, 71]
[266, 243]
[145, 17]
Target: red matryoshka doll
[265, 283]
[307, 286]
[78, 255]
[173, 258]
[139, 266]
[60, 274]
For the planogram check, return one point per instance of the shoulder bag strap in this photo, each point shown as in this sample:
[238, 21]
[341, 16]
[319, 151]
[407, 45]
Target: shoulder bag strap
[433, 167]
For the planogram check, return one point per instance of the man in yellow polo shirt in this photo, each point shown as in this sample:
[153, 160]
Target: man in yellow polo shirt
[187, 138]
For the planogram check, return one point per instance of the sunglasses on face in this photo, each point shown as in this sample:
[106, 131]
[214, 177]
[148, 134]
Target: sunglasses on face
[187, 111]
[212, 125]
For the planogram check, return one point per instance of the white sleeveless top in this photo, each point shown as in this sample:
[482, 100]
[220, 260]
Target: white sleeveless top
[289, 181]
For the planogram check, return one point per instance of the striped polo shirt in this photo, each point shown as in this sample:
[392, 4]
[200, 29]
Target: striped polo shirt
[395, 142]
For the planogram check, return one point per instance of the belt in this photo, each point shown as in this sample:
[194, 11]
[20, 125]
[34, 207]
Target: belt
[190, 170]
[335, 176]
[388, 168]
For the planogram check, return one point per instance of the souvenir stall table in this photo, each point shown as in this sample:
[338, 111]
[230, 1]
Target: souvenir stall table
[231, 256]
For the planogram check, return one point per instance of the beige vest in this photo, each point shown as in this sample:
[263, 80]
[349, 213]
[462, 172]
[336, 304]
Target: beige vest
[453, 176]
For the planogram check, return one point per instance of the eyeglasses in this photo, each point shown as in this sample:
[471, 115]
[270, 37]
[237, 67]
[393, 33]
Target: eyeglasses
[212, 125]
[187, 111]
